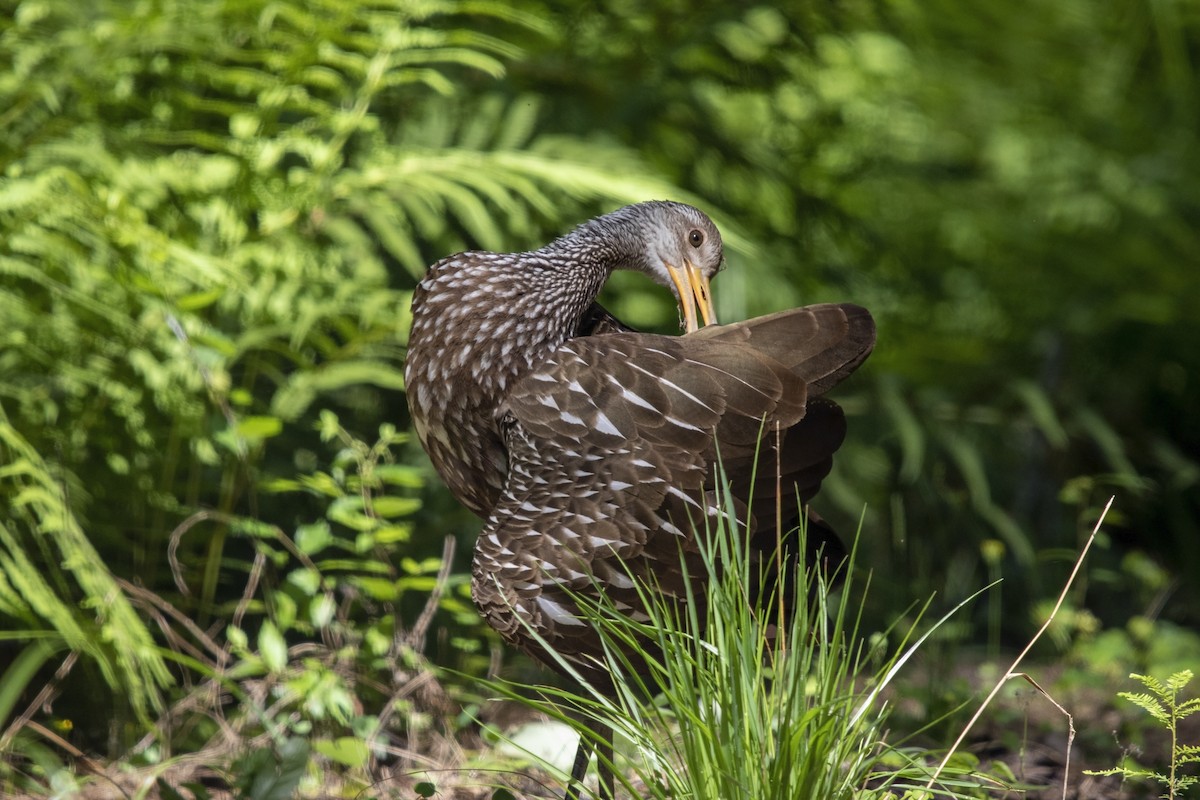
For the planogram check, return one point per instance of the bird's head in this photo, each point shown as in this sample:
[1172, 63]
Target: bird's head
[677, 245]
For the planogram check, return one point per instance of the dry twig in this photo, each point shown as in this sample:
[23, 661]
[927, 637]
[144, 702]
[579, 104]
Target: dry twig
[1011, 671]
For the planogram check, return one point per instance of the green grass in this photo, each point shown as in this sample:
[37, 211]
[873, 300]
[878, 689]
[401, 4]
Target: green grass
[731, 710]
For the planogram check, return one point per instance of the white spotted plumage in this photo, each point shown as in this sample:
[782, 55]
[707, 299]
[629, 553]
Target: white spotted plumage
[589, 448]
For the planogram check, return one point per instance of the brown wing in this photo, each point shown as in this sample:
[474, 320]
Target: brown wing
[822, 344]
[611, 446]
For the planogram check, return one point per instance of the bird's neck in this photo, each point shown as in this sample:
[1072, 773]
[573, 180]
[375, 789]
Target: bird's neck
[568, 277]
[613, 241]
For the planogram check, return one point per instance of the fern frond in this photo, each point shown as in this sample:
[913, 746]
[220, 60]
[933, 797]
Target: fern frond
[121, 644]
[1178, 680]
[1149, 704]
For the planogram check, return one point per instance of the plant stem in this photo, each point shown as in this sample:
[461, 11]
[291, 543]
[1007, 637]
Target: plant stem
[1009, 672]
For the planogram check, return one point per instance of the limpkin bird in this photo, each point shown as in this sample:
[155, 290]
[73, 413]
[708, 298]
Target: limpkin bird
[589, 448]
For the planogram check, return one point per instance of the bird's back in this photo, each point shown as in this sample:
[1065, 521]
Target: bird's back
[613, 443]
[480, 322]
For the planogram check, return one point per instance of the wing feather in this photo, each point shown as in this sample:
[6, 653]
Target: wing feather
[612, 443]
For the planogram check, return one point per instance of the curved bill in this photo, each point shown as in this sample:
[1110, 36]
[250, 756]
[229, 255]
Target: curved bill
[694, 293]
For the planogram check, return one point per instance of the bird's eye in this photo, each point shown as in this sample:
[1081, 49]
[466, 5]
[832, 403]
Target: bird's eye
[696, 237]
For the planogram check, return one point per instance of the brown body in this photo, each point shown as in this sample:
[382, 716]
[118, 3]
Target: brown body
[590, 449]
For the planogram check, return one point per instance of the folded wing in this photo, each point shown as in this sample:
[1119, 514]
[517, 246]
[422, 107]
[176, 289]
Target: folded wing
[613, 445]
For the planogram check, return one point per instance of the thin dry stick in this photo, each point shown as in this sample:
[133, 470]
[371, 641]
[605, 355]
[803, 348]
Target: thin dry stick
[149, 599]
[1011, 670]
[81, 759]
[414, 639]
[416, 636]
[251, 589]
[177, 536]
[1070, 726]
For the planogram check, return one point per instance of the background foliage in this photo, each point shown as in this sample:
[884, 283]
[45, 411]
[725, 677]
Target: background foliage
[1012, 194]
[212, 215]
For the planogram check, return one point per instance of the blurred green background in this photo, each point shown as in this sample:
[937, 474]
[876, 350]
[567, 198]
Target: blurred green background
[212, 215]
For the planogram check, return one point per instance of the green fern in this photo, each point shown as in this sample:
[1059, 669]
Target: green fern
[211, 217]
[105, 626]
[1163, 705]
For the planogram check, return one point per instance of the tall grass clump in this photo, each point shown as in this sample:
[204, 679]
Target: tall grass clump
[755, 708]
[718, 698]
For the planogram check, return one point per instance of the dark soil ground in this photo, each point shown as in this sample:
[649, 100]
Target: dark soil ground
[1022, 730]
[1022, 734]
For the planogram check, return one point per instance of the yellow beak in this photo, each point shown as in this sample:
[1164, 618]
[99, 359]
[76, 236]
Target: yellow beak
[692, 286]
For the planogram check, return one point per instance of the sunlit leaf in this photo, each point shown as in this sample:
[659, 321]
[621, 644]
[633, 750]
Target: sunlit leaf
[272, 647]
[259, 427]
[348, 750]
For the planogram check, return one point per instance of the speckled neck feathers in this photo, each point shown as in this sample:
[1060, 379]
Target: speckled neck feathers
[482, 320]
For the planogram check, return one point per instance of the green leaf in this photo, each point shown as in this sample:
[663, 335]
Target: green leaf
[271, 775]
[390, 507]
[21, 671]
[382, 589]
[425, 566]
[348, 511]
[404, 476]
[321, 611]
[199, 300]
[347, 750]
[392, 534]
[307, 580]
[1187, 708]
[272, 647]
[237, 638]
[281, 485]
[259, 427]
[1041, 410]
[313, 537]
[284, 610]
[1148, 704]
[328, 425]
[1179, 679]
